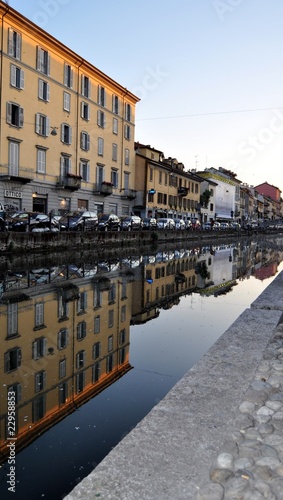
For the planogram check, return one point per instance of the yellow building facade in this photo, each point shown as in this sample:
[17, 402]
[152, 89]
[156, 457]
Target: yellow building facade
[67, 129]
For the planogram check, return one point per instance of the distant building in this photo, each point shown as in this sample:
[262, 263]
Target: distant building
[272, 193]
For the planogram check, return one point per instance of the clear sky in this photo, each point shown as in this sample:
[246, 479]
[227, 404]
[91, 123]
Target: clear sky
[209, 73]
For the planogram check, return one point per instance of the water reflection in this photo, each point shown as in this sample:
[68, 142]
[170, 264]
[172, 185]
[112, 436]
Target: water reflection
[65, 329]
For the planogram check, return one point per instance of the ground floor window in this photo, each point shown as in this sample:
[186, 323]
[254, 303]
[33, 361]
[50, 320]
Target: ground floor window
[82, 204]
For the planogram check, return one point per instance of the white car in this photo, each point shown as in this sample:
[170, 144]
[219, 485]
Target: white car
[180, 224]
[165, 223]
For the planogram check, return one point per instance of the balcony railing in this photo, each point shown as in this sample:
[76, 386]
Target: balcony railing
[182, 191]
[104, 188]
[69, 181]
[19, 174]
[129, 194]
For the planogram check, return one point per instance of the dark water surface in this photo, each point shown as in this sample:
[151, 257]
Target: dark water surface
[165, 335]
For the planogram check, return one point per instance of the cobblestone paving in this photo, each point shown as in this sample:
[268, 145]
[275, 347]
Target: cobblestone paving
[250, 465]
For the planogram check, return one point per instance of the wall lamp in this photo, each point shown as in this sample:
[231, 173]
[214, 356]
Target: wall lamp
[54, 131]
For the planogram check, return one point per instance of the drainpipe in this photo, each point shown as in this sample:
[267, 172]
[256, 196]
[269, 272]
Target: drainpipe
[78, 114]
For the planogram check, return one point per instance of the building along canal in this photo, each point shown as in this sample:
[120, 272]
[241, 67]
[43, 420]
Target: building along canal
[90, 345]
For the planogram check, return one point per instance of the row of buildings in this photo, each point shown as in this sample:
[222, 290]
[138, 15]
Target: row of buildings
[67, 142]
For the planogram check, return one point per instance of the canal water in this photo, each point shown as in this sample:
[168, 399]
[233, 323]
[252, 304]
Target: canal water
[89, 347]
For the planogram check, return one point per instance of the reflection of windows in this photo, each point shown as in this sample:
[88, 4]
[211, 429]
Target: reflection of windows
[124, 289]
[39, 314]
[97, 295]
[82, 302]
[123, 313]
[81, 330]
[63, 339]
[40, 381]
[110, 343]
[38, 408]
[17, 77]
[97, 324]
[112, 293]
[122, 355]
[39, 348]
[96, 350]
[80, 382]
[110, 318]
[63, 393]
[62, 306]
[16, 391]
[12, 313]
[12, 359]
[109, 363]
[95, 372]
[62, 368]
[80, 359]
[122, 336]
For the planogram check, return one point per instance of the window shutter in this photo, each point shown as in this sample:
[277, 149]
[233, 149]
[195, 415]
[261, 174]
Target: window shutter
[48, 92]
[13, 76]
[62, 133]
[44, 346]
[38, 58]
[21, 123]
[37, 117]
[82, 109]
[71, 82]
[48, 64]
[7, 361]
[47, 126]
[82, 140]
[37, 382]
[44, 380]
[10, 41]
[87, 142]
[18, 46]
[22, 79]
[34, 350]
[70, 135]
[19, 393]
[9, 112]
[40, 89]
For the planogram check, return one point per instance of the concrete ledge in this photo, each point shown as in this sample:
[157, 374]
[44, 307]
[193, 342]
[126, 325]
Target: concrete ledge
[169, 453]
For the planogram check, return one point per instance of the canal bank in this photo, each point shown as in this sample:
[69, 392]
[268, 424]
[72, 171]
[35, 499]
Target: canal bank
[220, 428]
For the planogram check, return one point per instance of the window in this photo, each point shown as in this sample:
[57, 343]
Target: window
[126, 180]
[62, 368]
[68, 76]
[65, 169]
[109, 363]
[85, 111]
[63, 339]
[39, 348]
[127, 156]
[100, 146]
[114, 152]
[96, 350]
[85, 141]
[115, 104]
[41, 125]
[80, 382]
[122, 337]
[41, 161]
[16, 390]
[127, 132]
[97, 324]
[14, 44]
[101, 96]
[114, 177]
[39, 314]
[14, 151]
[122, 355]
[39, 408]
[101, 118]
[40, 381]
[97, 295]
[17, 78]
[84, 170]
[15, 114]
[80, 359]
[66, 133]
[43, 90]
[63, 393]
[112, 293]
[115, 126]
[128, 112]
[85, 86]
[12, 359]
[123, 313]
[43, 61]
[81, 330]
[12, 316]
[110, 343]
[160, 177]
[110, 318]
[82, 302]
[66, 101]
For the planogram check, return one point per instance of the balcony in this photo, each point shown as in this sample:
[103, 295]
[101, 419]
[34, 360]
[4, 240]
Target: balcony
[104, 188]
[128, 194]
[69, 181]
[17, 174]
[182, 191]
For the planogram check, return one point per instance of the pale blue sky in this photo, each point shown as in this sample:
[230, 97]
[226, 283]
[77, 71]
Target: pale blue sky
[209, 73]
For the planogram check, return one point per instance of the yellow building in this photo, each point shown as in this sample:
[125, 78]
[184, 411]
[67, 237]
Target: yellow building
[164, 188]
[67, 129]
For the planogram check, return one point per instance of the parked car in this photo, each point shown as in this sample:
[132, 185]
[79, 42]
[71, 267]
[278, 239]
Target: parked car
[235, 225]
[149, 223]
[109, 222]
[180, 224]
[79, 221]
[130, 223]
[165, 223]
[21, 221]
[189, 225]
[206, 226]
[44, 223]
[224, 225]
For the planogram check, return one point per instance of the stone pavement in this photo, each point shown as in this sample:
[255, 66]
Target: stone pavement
[218, 434]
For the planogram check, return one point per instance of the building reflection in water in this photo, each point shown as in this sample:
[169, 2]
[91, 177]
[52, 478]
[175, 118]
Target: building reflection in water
[65, 330]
